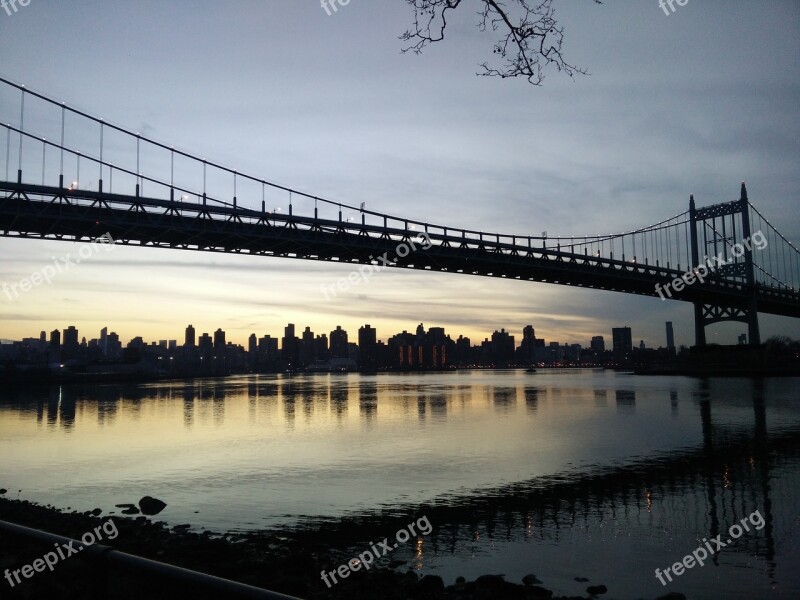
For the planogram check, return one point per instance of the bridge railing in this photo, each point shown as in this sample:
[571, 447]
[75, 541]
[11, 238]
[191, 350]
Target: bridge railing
[104, 559]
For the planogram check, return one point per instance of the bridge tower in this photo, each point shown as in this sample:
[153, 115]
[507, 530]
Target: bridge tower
[715, 220]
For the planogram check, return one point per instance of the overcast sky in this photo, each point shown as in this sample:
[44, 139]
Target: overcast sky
[692, 102]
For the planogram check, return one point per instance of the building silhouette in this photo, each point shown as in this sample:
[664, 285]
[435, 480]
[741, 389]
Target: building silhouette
[622, 343]
[339, 343]
[670, 336]
[368, 348]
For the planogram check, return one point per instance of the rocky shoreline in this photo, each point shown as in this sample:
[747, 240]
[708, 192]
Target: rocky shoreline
[282, 564]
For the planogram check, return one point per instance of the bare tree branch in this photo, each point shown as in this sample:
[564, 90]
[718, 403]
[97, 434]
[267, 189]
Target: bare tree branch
[530, 37]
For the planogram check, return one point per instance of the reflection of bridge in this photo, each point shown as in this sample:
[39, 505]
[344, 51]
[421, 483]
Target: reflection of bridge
[702, 489]
[149, 194]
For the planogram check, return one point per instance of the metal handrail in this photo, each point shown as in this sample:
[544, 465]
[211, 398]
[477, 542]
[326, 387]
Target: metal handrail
[108, 556]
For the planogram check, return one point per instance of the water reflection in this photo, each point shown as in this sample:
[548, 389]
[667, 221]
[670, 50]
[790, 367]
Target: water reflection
[503, 464]
[689, 495]
[531, 399]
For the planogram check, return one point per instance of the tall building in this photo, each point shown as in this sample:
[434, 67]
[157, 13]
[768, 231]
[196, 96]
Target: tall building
[339, 343]
[205, 345]
[623, 342]
[526, 354]
[321, 347]
[502, 347]
[436, 348]
[70, 346]
[219, 340]
[113, 345]
[70, 337]
[290, 346]
[598, 344]
[307, 353]
[670, 335]
[268, 355]
[189, 340]
[55, 340]
[367, 346]
[463, 350]
[104, 341]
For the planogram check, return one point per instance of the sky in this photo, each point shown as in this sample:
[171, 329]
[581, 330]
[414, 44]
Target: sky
[696, 101]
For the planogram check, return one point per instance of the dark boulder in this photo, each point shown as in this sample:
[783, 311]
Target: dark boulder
[530, 579]
[594, 590]
[151, 506]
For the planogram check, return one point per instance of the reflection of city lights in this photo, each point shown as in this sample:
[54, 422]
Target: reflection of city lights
[418, 554]
[726, 482]
[648, 499]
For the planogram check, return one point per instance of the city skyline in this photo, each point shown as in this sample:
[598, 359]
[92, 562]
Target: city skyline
[198, 332]
[511, 158]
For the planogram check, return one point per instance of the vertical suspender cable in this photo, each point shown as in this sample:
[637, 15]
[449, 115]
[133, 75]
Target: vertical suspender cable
[138, 172]
[100, 183]
[61, 165]
[8, 149]
[21, 129]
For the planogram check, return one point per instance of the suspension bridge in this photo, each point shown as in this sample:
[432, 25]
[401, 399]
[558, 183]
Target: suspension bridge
[78, 178]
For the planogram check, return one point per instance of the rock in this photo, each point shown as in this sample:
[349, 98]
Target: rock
[672, 596]
[594, 590]
[96, 512]
[490, 580]
[460, 581]
[3, 491]
[431, 583]
[581, 579]
[132, 510]
[151, 506]
[530, 579]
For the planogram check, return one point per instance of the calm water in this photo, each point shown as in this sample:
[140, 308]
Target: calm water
[559, 473]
